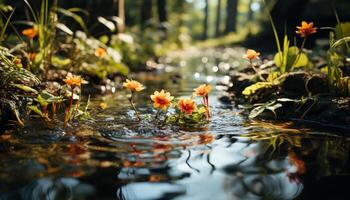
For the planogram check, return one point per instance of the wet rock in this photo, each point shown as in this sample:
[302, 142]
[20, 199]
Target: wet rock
[294, 84]
[317, 85]
[51, 87]
[56, 75]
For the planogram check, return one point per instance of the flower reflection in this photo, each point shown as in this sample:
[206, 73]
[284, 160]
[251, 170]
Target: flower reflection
[206, 138]
[156, 178]
[136, 164]
[299, 165]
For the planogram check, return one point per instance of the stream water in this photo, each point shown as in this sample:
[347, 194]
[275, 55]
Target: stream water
[112, 156]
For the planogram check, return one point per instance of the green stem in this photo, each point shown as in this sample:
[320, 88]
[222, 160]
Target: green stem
[206, 104]
[133, 106]
[256, 71]
[157, 114]
[68, 109]
[300, 50]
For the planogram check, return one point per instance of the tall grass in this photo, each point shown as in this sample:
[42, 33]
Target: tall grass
[15, 85]
[4, 21]
[46, 22]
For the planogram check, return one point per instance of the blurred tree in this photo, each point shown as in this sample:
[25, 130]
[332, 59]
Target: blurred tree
[231, 16]
[286, 13]
[218, 19]
[121, 15]
[250, 12]
[206, 19]
[146, 12]
[162, 12]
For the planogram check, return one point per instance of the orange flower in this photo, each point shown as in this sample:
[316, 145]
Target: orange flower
[73, 81]
[161, 99]
[252, 54]
[133, 86]
[30, 32]
[306, 29]
[100, 52]
[202, 90]
[187, 105]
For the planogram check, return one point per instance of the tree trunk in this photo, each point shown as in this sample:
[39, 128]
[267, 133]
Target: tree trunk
[162, 12]
[231, 16]
[206, 19]
[121, 15]
[250, 13]
[218, 19]
[146, 12]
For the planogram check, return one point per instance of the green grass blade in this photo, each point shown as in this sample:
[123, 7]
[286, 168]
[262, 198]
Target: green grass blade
[32, 11]
[4, 28]
[74, 16]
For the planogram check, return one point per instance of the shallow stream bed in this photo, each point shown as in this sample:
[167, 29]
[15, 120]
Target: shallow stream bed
[112, 156]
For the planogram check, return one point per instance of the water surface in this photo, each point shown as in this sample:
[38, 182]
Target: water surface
[112, 156]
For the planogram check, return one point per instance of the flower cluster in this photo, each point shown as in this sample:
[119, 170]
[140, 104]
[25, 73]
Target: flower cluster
[186, 108]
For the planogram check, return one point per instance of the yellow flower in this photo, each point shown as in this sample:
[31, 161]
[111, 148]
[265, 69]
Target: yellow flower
[73, 81]
[161, 99]
[100, 52]
[133, 86]
[306, 29]
[103, 105]
[30, 32]
[17, 62]
[203, 90]
[187, 106]
[252, 54]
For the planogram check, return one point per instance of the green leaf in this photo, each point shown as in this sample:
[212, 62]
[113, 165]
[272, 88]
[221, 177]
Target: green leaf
[25, 88]
[110, 25]
[340, 42]
[302, 61]
[287, 100]
[291, 59]
[60, 62]
[260, 108]
[104, 39]
[274, 107]
[342, 30]
[76, 17]
[250, 90]
[256, 112]
[64, 28]
[36, 110]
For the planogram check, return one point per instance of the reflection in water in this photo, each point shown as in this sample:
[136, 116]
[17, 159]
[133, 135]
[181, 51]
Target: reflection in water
[113, 156]
[45, 188]
[239, 171]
